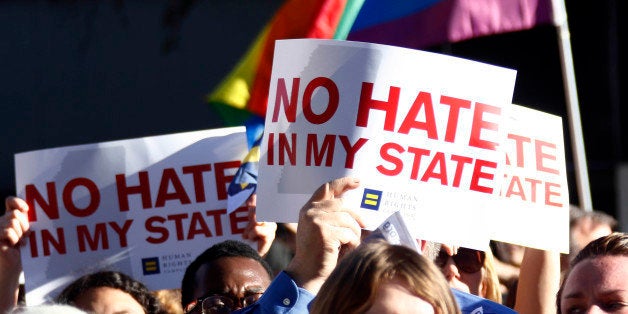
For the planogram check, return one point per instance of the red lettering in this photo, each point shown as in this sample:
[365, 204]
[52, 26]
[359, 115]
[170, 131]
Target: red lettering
[198, 226]
[122, 231]
[32, 241]
[351, 149]
[549, 192]
[50, 207]
[519, 141]
[455, 105]
[178, 223]
[461, 161]
[151, 226]
[326, 148]
[270, 151]
[290, 109]
[540, 156]
[238, 220]
[478, 174]
[124, 191]
[48, 242]
[332, 104]
[197, 176]
[423, 100]
[367, 103]
[100, 235]
[287, 149]
[416, 164]
[515, 188]
[47, 239]
[397, 163]
[216, 214]
[222, 179]
[479, 124]
[94, 196]
[169, 177]
[437, 161]
[533, 183]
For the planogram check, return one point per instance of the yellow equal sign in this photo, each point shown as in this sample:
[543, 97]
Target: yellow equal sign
[371, 199]
[150, 265]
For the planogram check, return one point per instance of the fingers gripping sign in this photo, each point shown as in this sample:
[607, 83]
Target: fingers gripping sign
[325, 232]
[261, 232]
[15, 228]
[14, 222]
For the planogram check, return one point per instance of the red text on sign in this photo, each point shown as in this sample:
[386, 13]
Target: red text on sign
[188, 226]
[442, 168]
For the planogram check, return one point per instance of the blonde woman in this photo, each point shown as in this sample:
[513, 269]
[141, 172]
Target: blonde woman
[470, 271]
[379, 277]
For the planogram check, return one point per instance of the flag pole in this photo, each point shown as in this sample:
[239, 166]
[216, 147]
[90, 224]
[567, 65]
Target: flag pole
[573, 108]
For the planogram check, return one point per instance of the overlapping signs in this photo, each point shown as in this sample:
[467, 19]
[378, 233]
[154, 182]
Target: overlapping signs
[424, 133]
[146, 207]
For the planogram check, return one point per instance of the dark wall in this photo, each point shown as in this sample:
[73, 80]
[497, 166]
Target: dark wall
[75, 72]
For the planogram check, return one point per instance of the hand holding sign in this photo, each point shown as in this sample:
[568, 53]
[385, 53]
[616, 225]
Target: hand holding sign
[263, 233]
[14, 228]
[326, 231]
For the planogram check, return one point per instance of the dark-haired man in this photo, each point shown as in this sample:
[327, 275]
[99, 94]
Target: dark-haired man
[228, 276]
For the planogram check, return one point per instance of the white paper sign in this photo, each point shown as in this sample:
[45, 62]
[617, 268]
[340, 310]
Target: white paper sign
[534, 208]
[420, 130]
[146, 207]
[394, 230]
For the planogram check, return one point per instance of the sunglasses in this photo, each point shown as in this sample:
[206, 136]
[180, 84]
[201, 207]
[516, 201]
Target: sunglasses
[219, 303]
[466, 260]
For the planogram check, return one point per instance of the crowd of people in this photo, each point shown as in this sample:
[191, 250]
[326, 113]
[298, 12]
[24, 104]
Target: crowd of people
[332, 270]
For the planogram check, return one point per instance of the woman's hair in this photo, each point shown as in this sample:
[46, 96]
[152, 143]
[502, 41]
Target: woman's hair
[353, 285]
[614, 244]
[490, 282]
[170, 300]
[115, 280]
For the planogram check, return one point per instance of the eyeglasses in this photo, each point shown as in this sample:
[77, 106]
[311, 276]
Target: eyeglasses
[219, 303]
[467, 260]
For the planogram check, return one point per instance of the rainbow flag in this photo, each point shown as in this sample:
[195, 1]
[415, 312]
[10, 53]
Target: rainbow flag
[241, 98]
[243, 94]
[244, 181]
[421, 24]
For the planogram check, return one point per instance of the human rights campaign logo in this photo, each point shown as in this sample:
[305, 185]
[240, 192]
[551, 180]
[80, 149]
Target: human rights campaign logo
[150, 265]
[371, 199]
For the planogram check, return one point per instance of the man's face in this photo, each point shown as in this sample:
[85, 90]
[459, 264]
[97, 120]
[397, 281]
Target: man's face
[234, 278]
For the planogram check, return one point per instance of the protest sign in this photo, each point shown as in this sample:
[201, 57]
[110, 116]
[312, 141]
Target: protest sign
[394, 230]
[420, 130]
[534, 208]
[146, 207]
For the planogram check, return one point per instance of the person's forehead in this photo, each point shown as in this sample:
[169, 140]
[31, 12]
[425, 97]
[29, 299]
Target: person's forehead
[605, 272]
[230, 272]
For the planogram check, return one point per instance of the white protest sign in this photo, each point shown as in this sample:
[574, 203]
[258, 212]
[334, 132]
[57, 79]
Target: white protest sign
[146, 207]
[394, 230]
[534, 210]
[420, 130]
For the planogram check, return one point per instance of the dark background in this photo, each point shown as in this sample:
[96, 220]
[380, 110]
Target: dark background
[77, 72]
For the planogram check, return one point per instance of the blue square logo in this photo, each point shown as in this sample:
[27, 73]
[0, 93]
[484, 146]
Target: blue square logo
[150, 266]
[371, 199]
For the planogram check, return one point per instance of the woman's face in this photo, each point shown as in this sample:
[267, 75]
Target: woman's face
[458, 279]
[393, 297]
[597, 285]
[105, 300]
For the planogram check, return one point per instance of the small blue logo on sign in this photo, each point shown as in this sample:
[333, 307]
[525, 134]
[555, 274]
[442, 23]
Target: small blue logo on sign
[371, 199]
[150, 265]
